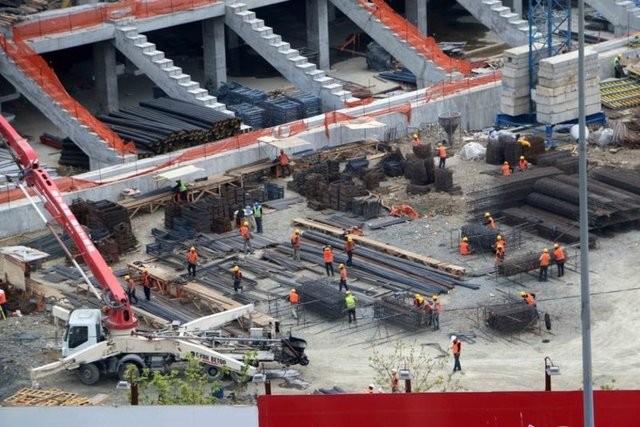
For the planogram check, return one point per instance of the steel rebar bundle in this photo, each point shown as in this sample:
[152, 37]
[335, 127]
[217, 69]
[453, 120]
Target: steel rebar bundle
[511, 317]
[625, 179]
[519, 264]
[322, 298]
[392, 310]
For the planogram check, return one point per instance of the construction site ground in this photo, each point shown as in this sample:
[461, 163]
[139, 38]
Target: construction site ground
[339, 353]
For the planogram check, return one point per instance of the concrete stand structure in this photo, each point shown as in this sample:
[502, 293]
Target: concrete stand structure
[104, 69]
[416, 13]
[213, 51]
[318, 30]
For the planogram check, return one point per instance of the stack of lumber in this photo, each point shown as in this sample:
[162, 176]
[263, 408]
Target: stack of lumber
[50, 397]
[557, 90]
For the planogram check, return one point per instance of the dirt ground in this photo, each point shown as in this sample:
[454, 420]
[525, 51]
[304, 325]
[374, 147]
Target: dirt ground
[340, 354]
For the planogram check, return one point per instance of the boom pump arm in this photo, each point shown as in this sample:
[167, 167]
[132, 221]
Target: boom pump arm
[120, 317]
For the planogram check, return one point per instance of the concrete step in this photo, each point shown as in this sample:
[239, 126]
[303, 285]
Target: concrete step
[247, 15]
[138, 39]
[306, 67]
[298, 60]
[198, 92]
[146, 47]
[325, 80]
[181, 78]
[256, 23]
[273, 39]
[265, 31]
[173, 70]
[500, 8]
[163, 63]
[190, 85]
[128, 31]
[154, 55]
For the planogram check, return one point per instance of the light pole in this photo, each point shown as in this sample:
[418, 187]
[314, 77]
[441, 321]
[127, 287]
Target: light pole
[549, 370]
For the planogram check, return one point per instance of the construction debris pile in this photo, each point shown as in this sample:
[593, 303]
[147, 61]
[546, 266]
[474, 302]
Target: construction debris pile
[163, 125]
[109, 225]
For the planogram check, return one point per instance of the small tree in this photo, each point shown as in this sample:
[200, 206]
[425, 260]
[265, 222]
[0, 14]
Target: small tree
[427, 372]
[190, 388]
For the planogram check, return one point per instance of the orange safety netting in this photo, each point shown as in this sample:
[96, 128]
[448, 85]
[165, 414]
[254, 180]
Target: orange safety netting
[65, 184]
[34, 66]
[446, 88]
[101, 13]
[426, 45]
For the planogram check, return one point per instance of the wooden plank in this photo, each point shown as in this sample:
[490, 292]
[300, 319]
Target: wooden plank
[384, 247]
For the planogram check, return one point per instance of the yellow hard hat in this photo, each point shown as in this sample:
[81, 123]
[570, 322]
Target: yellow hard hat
[499, 237]
[297, 231]
[487, 214]
[145, 270]
[464, 239]
[545, 250]
[555, 245]
[348, 292]
[523, 294]
[341, 266]
[127, 277]
[236, 268]
[521, 157]
[418, 296]
[435, 297]
[415, 135]
[246, 223]
[349, 239]
[192, 248]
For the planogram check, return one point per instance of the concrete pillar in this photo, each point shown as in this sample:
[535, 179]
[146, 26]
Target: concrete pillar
[233, 40]
[416, 13]
[318, 31]
[331, 12]
[517, 7]
[106, 78]
[215, 60]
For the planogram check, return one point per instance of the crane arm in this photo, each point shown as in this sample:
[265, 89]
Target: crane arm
[120, 316]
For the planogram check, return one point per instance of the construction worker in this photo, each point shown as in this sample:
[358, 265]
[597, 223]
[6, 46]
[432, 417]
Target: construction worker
[395, 381]
[350, 302]
[456, 348]
[236, 274]
[257, 215]
[488, 221]
[295, 243]
[192, 259]
[370, 389]
[529, 299]
[465, 249]
[523, 141]
[428, 312]
[343, 277]
[559, 258]
[349, 246]
[294, 299]
[146, 284]
[3, 302]
[418, 301]
[415, 139]
[523, 165]
[442, 155]
[131, 289]
[545, 260]
[500, 253]
[245, 232]
[248, 217]
[500, 243]
[618, 69]
[283, 162]
[435, 313]
[327, 256]
[506, 169]
[239, 217]
[181, 191]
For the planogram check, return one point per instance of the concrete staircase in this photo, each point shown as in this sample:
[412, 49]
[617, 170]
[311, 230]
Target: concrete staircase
[623, 14]
[98, 150]
[425, 70]
[162, 71]
[513, 30]
[294, 67]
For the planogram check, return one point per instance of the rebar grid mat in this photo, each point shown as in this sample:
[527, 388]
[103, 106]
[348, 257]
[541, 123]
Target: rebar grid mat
[510, 317]
[398, 312]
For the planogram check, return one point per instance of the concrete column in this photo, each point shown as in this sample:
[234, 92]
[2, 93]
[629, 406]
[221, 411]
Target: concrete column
[215, 60]
[331, 12]
[517, 7]
[106, 78]
[318, 31]
[416, 13]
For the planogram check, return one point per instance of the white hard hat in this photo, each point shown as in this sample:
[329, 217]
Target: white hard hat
[394, 370]
[453, 338]
[372, 386]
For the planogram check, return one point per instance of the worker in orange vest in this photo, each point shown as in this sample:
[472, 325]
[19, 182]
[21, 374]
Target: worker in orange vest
[506, 169]
[428, 312]
[295, 243]
[415, 139]
[500, 254]
[529, 299]
[558, 256]
[283, 161]
[418, 301]
[523, 165]
[349, 246]
[236, 274]
[488, 221]
[343, 277]
[395, 381]
[294, 299]
[245, 232]
[192, 259]
[545, 260]
[146, 284]
[131, 289]
[465, 249]
[435, 313]
[442, 155]
[3, 301]
[456, 347]
[500, 244]
[327, 256]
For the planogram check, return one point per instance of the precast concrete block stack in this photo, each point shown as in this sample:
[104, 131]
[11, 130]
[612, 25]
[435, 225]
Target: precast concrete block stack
[515, 82]
[556, 94]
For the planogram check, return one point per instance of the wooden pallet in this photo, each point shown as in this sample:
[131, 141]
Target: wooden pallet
[384, 247]
[50, 397]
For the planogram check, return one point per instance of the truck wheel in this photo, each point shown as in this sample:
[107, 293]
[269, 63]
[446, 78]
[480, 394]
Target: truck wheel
[89, 374]
[122, 371]
[213, 373]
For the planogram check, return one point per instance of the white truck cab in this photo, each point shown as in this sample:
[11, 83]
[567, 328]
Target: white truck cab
[83, 330]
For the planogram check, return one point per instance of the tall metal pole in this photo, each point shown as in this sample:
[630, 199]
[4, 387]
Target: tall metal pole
[587, 395]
